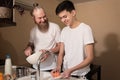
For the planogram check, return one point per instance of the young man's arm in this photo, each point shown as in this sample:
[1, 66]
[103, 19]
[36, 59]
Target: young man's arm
[86, 61]
[60, 56]
[59, 59]
[89, 57]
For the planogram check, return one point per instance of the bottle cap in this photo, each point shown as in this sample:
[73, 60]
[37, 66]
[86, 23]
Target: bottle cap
[8, 56]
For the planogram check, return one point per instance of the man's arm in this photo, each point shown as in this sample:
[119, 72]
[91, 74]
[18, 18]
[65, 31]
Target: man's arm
[89, 58]
[60, 56]
[29, 49]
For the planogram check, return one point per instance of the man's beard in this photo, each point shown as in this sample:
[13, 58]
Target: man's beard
[43, 25]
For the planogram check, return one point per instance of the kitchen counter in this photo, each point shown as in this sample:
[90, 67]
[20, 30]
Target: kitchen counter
[26, 73]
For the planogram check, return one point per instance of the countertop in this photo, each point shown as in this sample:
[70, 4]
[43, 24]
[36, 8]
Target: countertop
[27, 74]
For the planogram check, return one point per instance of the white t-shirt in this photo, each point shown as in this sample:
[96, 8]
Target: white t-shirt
[75, 41]
[46, 41]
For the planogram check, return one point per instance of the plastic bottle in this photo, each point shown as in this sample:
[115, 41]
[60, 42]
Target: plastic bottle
[8, 65]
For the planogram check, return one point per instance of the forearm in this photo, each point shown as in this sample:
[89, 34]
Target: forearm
[83, 64]
[60, 56]
[88, 59]
[59, 61]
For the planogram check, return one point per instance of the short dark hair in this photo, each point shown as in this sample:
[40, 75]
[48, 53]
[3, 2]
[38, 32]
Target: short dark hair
[65, 5]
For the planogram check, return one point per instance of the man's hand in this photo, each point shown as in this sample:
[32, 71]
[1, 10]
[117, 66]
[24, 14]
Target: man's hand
[58, 70]
[44, 55]
[28, 51]
[66, 74]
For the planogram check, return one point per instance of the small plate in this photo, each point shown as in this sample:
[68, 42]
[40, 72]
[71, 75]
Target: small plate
[56, 78]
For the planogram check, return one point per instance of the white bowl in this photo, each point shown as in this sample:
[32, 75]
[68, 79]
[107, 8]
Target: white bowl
[33, 59]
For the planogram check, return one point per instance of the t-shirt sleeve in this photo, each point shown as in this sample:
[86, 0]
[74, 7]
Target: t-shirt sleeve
[88, 36]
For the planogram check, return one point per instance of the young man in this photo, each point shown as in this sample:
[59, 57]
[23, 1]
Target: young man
[43, 37]
[76, 49]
